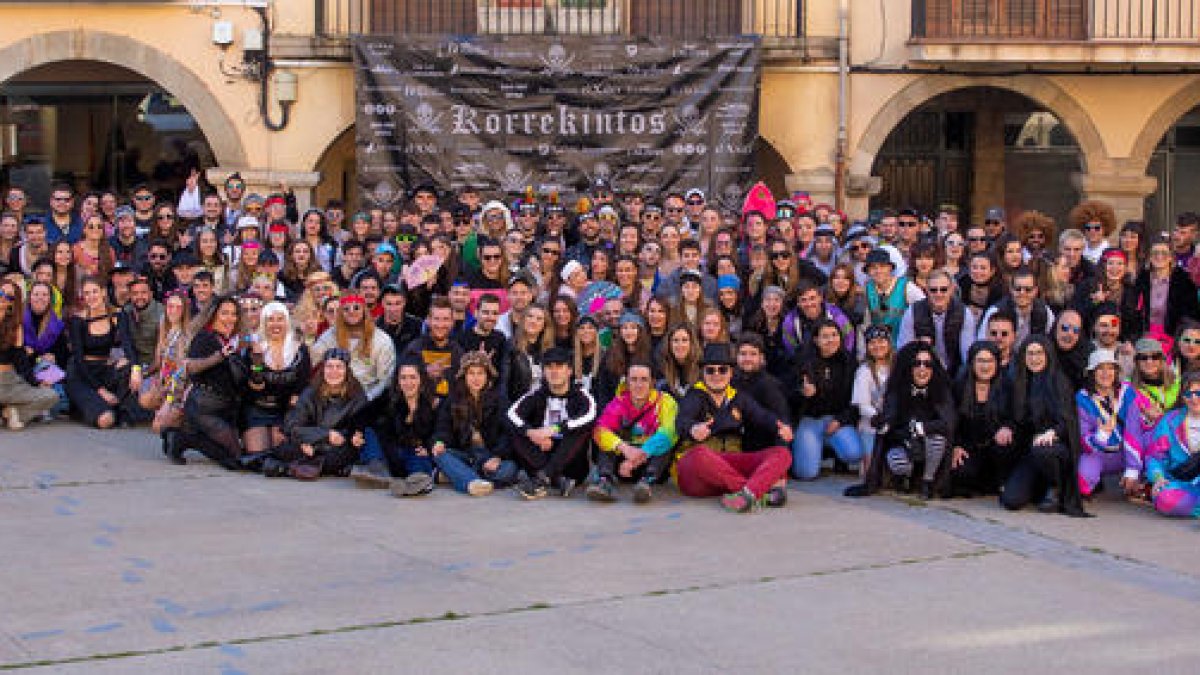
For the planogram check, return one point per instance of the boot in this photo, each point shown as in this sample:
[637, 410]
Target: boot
[172, 448]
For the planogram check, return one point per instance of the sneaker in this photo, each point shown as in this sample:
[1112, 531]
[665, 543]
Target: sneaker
[413, 485]
[776, 497]
[479, 487]
[14, 418]
[642, 492]
[530, 488]
[602, 490]
[372, 475]
[742, 501]
[856, 490]
[565, 486]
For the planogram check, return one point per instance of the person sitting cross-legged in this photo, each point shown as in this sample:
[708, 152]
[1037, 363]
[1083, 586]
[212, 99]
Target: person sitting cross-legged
[713, 418]
[635, 435]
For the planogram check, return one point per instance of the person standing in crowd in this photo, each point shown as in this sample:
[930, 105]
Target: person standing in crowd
[635, 436]
[1165, 292]
[552, 425]
[888, 296]
[1033, 316]
[940, 320]
[712, 421]
[1097, 221]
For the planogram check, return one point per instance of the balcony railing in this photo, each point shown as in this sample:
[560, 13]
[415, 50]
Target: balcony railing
[676, 18]
[1057, 20]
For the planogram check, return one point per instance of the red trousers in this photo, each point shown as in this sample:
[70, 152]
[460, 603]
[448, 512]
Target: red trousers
[704, 473]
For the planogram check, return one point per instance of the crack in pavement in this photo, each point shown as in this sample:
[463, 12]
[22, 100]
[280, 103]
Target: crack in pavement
[1022, 542]
[507, 611]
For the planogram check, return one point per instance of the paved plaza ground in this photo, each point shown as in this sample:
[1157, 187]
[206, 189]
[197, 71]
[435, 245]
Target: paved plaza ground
[114, 561]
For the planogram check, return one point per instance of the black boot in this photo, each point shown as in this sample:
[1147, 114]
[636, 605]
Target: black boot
[172, 448]
[253, 461]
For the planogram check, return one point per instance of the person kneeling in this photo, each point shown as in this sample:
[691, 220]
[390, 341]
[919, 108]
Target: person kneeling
[713, 418]
[322, 438]
[635, 435]
[470, 446]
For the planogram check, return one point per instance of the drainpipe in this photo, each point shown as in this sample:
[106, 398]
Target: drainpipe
[839, 172]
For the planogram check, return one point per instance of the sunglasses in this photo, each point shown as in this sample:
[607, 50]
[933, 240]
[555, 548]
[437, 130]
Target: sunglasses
[777, 255]
[695, 202]
[1191, 394]
[491, 256]
[653, 216]
[938, 289]
[1148, 357]
[716, 370]
[955, 242]
[235, 186]
[998, 333]
[907, 223]
[1023, 289]
[1066, 328]
[551, 251]
[1092, 227]
[862, 246]
[674, 209]
[406, 238]
[923, 363]
[976, 240]
[158, 256]
[60, 199]
[142, 198]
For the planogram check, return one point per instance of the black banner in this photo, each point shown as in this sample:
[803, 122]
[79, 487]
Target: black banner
[502, 113]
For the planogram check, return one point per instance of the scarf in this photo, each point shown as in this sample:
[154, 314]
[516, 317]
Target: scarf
[41, 343]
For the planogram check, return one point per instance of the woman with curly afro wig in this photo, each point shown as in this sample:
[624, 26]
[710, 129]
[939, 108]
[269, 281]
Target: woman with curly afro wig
[1097, 221]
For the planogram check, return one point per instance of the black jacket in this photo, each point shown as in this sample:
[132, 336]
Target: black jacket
[738, 414]
[1181, 298]
[768, 393]
[456, 430]
[314, 417]
[396, 430]
[529, 411]
[834, 379]
[278, 386]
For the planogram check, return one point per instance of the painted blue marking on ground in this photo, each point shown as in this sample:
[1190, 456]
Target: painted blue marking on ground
[633, 530]
[500, 564]
[210, 613]
[41, 634]
[130, 578]
[170, 607]
[540, 553]
[162, 625]
[63, 511]
[69, 500]
[268, 606]
[141, 563]
[227, 669]
[674, 515]
[584, 549]
[45, 481]
[110, 528]
[104, 628]
[638, 519]
[456, 567]
[232, 650]
[593, 535]
[103, 542]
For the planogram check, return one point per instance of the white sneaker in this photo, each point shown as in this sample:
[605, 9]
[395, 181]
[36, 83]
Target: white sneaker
[479, 487]
[14, 419]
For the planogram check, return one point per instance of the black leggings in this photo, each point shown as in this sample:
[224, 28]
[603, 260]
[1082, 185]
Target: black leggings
[210, 426]
[983, 471]
[568, 457]
[86, 400]
[334, 460]
[1038, 471]
[656, 469]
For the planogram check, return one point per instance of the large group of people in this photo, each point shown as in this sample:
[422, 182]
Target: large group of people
[618, 344]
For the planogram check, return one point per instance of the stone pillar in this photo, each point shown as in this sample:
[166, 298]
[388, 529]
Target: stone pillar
[267, 181]
[1125, 193]
[987, 162]
[818, 183]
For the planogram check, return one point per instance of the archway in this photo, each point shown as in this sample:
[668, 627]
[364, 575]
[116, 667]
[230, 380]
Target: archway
[980, 142]
[143, 59]
[1168, 149]
[771, 167]
[96, 125]
[339, 171]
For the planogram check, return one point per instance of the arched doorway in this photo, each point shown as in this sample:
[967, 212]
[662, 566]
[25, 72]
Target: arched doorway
[339, 171]
[95, 124]
[770, 167]
[1175, 162]
[979, 147]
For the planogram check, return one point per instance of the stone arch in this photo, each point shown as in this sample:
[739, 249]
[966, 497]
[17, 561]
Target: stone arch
[925, 88]
[175, 77]
[1176, 106]
[338, 176]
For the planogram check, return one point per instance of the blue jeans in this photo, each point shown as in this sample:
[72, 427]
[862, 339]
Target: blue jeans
[371, 449]
[811, 439]
[457, 465]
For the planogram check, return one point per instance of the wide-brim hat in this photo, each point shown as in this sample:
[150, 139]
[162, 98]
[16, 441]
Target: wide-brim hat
[1101, 357]
[717, 354]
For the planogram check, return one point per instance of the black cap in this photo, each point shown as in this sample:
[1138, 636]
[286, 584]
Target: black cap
[690, 275]
[120, 267]
[185, 258]
[879, 256]
[268, 257]
[717, 354]
[556, 355]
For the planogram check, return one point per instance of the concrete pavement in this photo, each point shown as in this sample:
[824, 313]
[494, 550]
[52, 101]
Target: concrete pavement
[113, 560]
